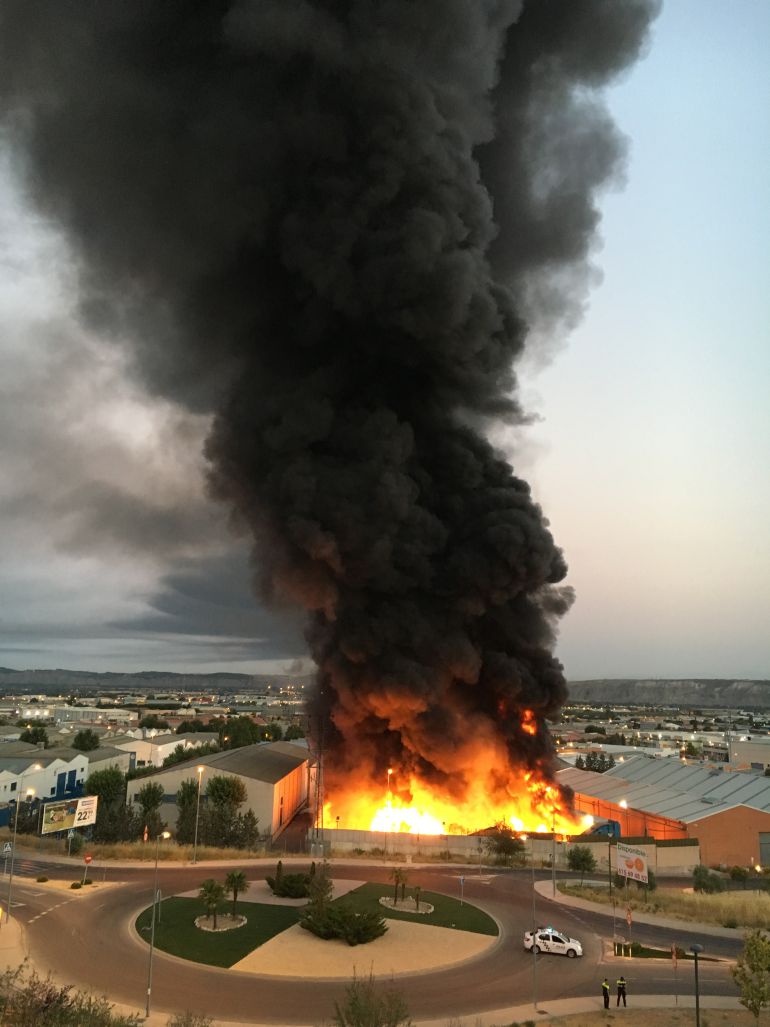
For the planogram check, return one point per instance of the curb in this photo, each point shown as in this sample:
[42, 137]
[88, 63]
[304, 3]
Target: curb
[544, 890]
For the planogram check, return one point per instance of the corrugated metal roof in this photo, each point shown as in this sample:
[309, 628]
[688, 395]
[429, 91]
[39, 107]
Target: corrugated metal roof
[672, 789]
[262, 762]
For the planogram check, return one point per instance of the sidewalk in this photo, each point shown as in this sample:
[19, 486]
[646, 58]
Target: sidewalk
[545, 890]
[517, 1014]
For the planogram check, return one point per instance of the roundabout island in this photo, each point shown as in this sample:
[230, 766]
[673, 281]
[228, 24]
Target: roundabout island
[434, 933]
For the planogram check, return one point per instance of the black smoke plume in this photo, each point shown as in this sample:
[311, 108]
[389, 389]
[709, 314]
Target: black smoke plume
[331, 225]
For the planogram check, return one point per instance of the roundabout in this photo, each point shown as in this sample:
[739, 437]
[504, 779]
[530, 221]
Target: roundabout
[90, 941]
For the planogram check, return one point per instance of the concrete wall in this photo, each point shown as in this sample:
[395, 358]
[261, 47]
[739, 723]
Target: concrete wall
[671, 860]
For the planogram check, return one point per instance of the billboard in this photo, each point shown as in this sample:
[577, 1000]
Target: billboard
[69, 813]
[631, 862]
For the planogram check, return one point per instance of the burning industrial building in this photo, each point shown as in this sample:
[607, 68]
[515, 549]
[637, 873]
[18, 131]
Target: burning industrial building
[334, 226]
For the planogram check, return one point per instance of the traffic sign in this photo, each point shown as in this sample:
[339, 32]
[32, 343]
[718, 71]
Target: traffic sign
[629, 918]
[87, 859]
[673, 955]
[7, 848]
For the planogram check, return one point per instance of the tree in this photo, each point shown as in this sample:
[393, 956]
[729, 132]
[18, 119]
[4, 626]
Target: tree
[739, 874]
[235, 885]
[752, 973]
[35, 735]
[180, 753]
[224, 795]
[293, 732]
[503, 844]
[115, 821]
[703, 880]
[187, 805]
[366, 1005]
[188, 727]
[154, 722]
[581, 859]
[272, 732]
[85, 740]
[211, 895]
[399, 877]
[149, 797]
[580, 763]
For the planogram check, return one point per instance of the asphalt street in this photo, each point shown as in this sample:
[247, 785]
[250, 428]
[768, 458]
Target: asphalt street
[89, 941]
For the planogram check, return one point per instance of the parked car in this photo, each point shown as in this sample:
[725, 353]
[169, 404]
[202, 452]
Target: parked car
[549, 940]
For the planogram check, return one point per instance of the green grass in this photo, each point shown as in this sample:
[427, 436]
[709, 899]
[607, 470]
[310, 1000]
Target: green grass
[177, 934]
[447, 912]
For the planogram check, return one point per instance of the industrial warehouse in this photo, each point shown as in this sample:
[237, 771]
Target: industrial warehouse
[727, 812]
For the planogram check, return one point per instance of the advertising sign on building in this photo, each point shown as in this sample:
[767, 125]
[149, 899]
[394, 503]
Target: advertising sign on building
[70, 813]
[632, 862]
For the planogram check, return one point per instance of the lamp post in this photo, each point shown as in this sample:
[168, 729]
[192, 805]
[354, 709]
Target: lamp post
[197, 813]
[163, 834]
[696, 950]
[534, 930]
[390, 771]
[30, 792]
[553, 852]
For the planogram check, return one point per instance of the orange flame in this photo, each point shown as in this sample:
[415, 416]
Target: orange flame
[528, 722]
[526, 804]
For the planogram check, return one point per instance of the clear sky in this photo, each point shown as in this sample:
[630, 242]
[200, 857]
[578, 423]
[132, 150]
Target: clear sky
[650, 455]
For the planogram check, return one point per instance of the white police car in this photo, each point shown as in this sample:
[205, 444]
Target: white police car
[549, 940]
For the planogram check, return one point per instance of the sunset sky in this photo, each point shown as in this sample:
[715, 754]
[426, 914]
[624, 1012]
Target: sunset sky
[649, 451]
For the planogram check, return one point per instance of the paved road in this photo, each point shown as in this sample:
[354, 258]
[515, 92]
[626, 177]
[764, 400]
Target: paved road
[88, 940]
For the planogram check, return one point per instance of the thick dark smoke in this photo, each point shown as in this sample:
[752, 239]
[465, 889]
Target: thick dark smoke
[332, 224]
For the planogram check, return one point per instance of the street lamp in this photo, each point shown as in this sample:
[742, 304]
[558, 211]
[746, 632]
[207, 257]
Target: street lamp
[696, 950]
[534, 930]
[163, 834]
[390, 771]
[29, 793]
[197, 812]
[553, 852]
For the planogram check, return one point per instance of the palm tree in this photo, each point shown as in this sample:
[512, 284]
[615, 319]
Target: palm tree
[399, 876]
[211, 895]
[235, 883]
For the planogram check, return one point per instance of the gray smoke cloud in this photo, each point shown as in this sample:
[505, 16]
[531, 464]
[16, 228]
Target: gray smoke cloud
[333, 225]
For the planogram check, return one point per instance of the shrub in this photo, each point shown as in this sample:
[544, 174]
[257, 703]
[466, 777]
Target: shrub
[729, 921]
[42, 879]
[365, 1005]
[342, 921]
[703, 880]
[88, 880]
[290, 886]
[188, 1019]
[75, 844]
[76, 884]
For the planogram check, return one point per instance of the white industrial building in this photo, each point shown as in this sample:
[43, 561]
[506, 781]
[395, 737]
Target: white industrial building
[274, 774]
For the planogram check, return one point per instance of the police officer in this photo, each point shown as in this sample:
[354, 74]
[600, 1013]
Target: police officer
[621, 982]
[606, 993]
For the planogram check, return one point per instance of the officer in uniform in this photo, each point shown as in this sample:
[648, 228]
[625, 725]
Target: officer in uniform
[621, 982]
[606, 993]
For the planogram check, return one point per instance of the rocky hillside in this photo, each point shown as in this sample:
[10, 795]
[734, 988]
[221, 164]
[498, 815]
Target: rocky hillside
[690, 692]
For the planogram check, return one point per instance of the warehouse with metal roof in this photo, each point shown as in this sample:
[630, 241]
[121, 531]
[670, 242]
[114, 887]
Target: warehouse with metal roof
[274, 774]
[727, 812]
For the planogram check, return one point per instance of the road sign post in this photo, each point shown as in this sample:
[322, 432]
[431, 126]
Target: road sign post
[462, 888]
[676, 981]
[629, 921]
[87, 859]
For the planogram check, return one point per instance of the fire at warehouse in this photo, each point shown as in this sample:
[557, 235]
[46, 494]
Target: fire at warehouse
[333, 229]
